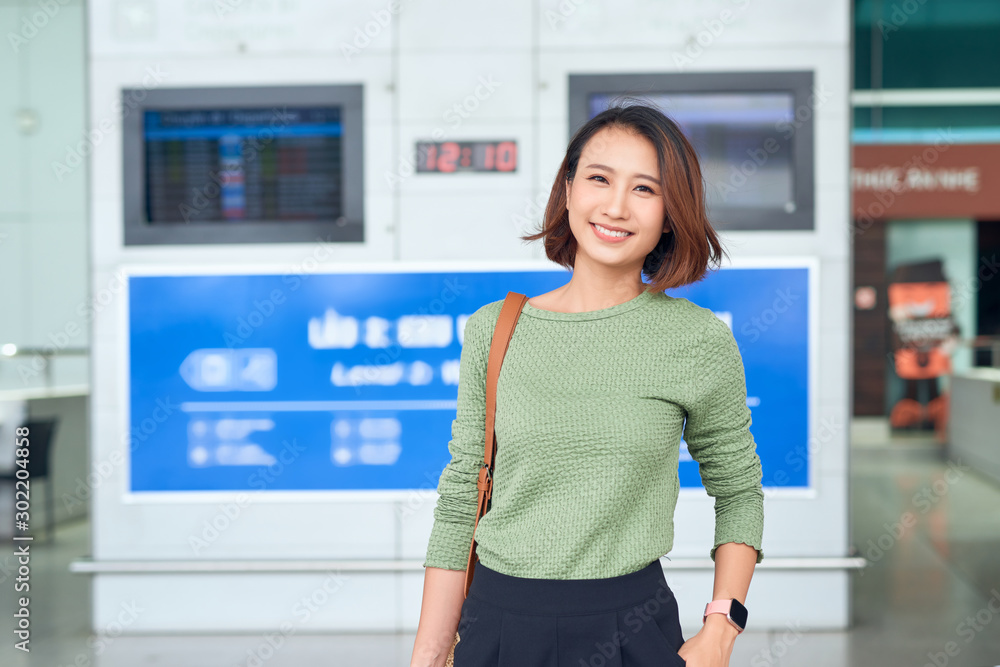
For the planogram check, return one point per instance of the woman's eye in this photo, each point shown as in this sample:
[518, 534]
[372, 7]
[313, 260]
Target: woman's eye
[603, 180]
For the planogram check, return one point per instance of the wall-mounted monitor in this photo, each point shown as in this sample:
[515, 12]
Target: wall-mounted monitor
[243, 165]
[753, 132]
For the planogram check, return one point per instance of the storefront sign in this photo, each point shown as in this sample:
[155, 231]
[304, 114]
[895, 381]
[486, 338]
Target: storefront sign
[942, 180]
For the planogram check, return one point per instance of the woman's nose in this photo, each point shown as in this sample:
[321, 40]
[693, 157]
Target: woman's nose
[616, 204]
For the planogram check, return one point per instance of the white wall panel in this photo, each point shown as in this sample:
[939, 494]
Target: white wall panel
[456, 25]
[683, 28]
[463, 226]
[480, 86]
[217, 27]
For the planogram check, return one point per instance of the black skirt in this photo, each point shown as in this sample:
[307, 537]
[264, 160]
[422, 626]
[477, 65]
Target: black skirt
[625, 621]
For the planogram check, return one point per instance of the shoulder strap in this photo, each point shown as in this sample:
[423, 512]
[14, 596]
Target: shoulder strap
[502, 334]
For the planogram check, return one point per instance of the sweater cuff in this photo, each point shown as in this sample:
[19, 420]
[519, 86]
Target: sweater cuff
[448, 546]
[740, 519]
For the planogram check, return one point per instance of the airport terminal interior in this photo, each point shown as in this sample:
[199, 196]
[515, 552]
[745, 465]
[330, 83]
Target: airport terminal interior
[240, 241]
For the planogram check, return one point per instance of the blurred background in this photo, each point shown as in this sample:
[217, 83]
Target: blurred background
[239, 240]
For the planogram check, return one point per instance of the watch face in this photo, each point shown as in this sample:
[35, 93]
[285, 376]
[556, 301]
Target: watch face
[738, 613]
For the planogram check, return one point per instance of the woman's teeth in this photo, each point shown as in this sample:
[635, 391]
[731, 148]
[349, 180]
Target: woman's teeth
[609, 232]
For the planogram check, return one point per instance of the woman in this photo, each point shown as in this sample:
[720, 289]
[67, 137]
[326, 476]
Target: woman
[600, 379]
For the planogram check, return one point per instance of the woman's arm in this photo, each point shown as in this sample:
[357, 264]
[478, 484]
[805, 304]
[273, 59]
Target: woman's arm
[718, 435]
[734, 566]
[455, 512]
[717, 432]
[440, 612]
[713, 644]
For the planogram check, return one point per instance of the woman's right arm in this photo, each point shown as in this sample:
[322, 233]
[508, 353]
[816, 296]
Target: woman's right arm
[440, 612]
[455, 512]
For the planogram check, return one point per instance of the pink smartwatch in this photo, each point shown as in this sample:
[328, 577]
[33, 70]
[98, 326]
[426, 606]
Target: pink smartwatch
[735, 612]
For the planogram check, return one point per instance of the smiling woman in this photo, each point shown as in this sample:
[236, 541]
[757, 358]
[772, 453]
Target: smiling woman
[599, 382]
[631, 177]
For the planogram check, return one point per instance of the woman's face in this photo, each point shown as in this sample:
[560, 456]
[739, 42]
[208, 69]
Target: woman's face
[616, 187]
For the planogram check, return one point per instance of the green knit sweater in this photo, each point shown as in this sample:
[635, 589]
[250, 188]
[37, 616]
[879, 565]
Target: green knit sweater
[590, 411]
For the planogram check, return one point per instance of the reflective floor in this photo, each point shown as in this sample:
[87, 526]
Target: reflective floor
[931, 530]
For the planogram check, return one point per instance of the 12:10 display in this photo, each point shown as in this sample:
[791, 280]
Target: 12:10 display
[445, 157]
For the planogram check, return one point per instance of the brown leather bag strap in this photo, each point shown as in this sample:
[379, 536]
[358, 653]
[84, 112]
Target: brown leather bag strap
[502, 334]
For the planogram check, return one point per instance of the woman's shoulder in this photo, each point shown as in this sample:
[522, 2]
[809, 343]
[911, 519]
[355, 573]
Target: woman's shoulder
[694, 321]
[488, 312]
[687, 310]
[483, 319]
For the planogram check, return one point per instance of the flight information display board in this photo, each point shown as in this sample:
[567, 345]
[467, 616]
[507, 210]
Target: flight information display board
[221, 165]
[348, 381]
[243, 164]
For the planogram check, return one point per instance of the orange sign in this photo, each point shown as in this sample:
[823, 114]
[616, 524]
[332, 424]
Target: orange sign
[921, 318]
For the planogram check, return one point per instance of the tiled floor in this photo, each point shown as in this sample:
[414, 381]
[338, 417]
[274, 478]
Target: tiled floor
[926, 592]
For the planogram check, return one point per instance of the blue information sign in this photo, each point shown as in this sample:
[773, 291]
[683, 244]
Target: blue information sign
[348, 381]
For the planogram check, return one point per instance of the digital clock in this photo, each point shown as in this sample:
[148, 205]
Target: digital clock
[449, 157]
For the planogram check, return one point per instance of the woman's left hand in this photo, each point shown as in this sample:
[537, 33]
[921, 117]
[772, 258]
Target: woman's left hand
[712, 645]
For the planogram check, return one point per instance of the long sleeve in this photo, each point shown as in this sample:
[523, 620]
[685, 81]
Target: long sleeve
[455, 512]
[717, 432]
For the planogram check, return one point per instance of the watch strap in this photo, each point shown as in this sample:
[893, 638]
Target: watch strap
[721, 607]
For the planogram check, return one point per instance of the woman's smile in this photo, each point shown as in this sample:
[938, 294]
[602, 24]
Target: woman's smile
[609, 235]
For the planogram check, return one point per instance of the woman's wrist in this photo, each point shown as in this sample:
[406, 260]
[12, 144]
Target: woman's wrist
[427, 657]
[718, 626]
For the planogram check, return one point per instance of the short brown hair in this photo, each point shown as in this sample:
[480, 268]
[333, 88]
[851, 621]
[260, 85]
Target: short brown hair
[682, 256]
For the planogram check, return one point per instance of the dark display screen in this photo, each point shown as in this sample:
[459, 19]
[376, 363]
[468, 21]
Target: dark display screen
[744, 143]
[462, 156]
[247, 164]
